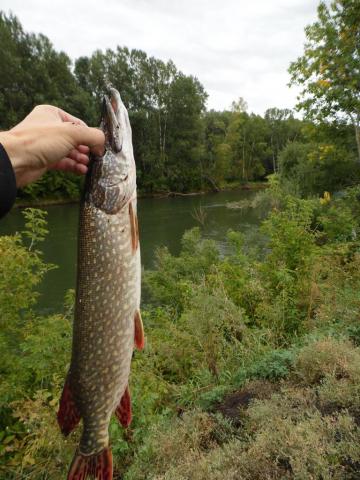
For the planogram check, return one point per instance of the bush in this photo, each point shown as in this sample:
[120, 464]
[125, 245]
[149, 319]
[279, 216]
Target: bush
[274, 365]
[327, 357]
[170, 442]
[312, 168]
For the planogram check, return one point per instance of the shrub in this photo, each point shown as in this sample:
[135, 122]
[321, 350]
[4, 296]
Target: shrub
[274, 365]
[170, 442]
[325, 357]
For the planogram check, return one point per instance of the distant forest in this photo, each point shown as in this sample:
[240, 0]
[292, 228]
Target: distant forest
[179, 145]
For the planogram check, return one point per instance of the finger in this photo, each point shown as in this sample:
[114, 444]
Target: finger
[83, 149]
[69, 165]
[79, 157]
[80, 169]
[67, 117]
[92, 137]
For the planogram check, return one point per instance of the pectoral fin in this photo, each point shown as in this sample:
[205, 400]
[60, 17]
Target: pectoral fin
[134, 228]
[139, 331]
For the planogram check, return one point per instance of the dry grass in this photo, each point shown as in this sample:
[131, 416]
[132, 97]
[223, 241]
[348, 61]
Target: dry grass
[305, 430]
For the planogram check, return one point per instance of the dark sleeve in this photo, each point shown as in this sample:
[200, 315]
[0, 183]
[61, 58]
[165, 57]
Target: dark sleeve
[7, 183]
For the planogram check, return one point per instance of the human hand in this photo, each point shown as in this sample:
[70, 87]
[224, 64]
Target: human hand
[49, 138]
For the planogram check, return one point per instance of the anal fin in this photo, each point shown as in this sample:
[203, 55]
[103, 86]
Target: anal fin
[98, 466]
[123, 410]
[68, 415]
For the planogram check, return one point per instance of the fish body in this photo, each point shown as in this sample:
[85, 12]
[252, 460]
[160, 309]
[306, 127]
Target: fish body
[107, 321]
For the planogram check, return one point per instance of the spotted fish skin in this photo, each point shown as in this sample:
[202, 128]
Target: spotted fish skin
[107, 317]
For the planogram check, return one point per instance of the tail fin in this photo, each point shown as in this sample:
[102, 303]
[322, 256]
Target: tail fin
[68, 415]
[98, 466]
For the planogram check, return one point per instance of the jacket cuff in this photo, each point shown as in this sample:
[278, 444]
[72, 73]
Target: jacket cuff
[7, 183]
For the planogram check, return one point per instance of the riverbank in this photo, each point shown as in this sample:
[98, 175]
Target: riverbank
[162, 222]
[49, 201]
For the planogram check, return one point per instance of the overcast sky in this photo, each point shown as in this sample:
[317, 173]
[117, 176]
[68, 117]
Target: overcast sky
[235, 47]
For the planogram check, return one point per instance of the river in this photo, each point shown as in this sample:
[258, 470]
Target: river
[162, 221]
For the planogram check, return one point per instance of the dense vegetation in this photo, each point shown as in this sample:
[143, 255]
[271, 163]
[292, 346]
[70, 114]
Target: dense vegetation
[252, 363]
[274, 331]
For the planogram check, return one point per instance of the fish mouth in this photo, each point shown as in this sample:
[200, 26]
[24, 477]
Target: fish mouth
[110, 120]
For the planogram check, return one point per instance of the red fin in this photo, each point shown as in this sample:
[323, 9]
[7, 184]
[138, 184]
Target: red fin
[139, 331]
[98, 466]
[123, 410]
[68, 415]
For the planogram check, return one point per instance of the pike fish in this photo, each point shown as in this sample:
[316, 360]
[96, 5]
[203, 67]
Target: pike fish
[107, 323]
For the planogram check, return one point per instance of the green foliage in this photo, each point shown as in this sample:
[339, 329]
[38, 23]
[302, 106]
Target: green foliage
[54, 185]
[243, 147]
[21, 269]
[274, 365]
[286, 318]
[35, 225]
[328, 69]
[313, 168]
[34, 73]
[286, 315]
[34, 352]
[338, 224]
[291, 259]
[171, 281]
[328, 75]
[177, 145]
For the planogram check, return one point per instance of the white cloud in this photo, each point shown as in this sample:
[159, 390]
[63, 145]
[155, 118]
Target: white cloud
[234, 47]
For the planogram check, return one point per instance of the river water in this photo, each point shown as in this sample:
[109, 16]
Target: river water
[162, 221]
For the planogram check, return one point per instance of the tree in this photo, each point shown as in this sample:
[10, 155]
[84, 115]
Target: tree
[187, 99]
[165, 110]
[329, 69]
[283, 127]
[32, 72]
[247, 137]
[218, 153]
[239, 106]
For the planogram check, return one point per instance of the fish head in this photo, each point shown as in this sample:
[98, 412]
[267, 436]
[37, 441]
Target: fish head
[112, 177]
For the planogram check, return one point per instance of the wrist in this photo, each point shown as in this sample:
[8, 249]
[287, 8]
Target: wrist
[15, 148]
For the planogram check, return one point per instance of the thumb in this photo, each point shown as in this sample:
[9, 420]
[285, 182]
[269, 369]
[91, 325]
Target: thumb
[94, 138]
